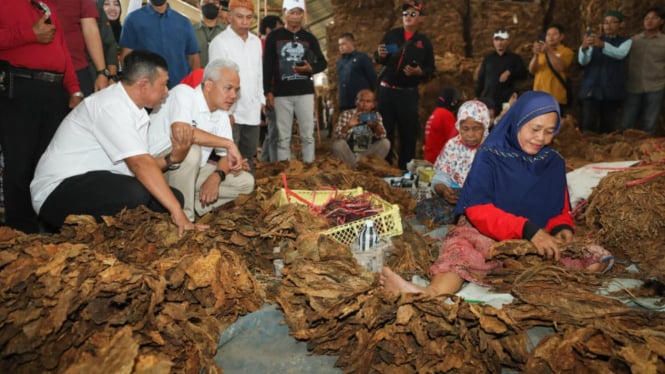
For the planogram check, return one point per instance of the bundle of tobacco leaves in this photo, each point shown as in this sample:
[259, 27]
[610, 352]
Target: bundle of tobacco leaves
[627, 213]
[126, 295]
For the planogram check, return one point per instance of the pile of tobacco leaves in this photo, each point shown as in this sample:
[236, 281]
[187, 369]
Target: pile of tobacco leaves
[128, 295]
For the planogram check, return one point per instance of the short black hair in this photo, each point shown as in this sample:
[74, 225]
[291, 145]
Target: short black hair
[660, 12]
[141, 64]
[557, 26]
[348, 35]
[269, 22]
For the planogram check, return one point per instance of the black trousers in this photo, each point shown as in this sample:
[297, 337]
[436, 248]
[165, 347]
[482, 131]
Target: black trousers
[399, 109]
[27, 124]
[97, 193]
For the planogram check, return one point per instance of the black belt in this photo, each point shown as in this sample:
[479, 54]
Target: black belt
[45, 76]
[388, 85]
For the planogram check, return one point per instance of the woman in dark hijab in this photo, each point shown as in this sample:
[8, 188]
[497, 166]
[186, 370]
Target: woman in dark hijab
[516, 189]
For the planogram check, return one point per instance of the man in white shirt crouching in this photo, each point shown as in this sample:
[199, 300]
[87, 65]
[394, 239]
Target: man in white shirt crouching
[204, 109]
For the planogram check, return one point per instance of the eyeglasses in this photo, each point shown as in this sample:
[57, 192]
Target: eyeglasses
[412, 14]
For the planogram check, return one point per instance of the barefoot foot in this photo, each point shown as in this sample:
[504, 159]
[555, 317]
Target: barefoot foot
[395, 284]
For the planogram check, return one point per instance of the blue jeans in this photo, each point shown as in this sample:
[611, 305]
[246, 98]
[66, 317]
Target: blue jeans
[647, 104]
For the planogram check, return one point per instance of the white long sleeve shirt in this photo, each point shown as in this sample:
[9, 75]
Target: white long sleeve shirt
[248, 55]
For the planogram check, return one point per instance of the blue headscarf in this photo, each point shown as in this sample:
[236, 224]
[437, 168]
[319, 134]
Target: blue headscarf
[530, 186]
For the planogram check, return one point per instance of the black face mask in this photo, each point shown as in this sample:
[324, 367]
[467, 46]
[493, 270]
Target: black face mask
[210, 10]
[157, 2]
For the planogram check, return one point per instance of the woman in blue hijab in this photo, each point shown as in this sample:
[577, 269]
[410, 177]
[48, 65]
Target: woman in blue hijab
[516, 189]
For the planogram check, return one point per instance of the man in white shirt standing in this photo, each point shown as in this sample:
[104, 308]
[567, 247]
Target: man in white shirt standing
[237, 44]
[98, 161]
[205, 110]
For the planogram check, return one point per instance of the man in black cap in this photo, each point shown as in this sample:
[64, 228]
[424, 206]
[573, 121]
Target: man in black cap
[499, 72]
[408, 59]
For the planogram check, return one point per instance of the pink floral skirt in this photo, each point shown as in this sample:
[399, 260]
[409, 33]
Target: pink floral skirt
[464, 252]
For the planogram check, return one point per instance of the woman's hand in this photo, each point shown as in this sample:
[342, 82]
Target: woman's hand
[546, 245]
[564, 236]
[449, 194]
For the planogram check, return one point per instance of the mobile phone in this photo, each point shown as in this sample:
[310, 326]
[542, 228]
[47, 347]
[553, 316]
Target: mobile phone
[300, 63]
[45, 9]
[392, 48]
[542, 37]
[589, 31]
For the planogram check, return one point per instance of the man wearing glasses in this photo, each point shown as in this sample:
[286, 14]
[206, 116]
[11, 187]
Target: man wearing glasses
[499, 72]
[38, 85]
[408, 59]
[603, 86]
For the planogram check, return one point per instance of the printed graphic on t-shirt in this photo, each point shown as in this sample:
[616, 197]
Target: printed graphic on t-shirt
[290, 54]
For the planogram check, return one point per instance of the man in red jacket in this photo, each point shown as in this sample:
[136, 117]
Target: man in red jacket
[38, 85]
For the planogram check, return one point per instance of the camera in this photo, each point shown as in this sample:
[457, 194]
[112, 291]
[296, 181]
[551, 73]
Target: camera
[300, 63]
[542, 37]
[369, 117]
[589, 31]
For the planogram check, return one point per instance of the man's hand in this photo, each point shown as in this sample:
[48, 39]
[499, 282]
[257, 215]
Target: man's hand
[504, 76]
[270, 100]
[209, 192]
[101, 82]
[538, 47]
[234, 158]
[382, 51]
[303, 69]
[412, 71]
[180, 220]
[44, 32]
[182, 138]
[546, 244]
[74, 101]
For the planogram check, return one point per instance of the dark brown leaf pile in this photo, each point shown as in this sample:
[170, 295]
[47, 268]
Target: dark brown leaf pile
[337, 307]
[124, 296]
[630, 219]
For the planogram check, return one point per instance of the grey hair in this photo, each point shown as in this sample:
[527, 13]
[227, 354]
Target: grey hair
[214, 69]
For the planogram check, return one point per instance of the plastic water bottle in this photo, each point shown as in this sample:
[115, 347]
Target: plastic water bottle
[368, 236]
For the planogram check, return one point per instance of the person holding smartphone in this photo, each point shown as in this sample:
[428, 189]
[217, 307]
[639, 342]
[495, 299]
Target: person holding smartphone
[40, 86]
[407, 59]
[549, 64]
[603, 85]
[360, 131]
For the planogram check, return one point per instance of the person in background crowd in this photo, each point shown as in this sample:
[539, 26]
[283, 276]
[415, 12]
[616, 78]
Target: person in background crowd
[204, 109]
[98, 162]
[407, 57]
[239, 45]
[208, 28]
[291, 57]
[499, 71]
[144, 29]
[224, 12]
[39, 85]
[440, 126]
[113, 11]
[549, 64]
[360, 131]
[109, 43]
[453, 163]
[646, 74]
[355, 72]
[603, 86]
[516, 189]
[79, 21]
[269, 146]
